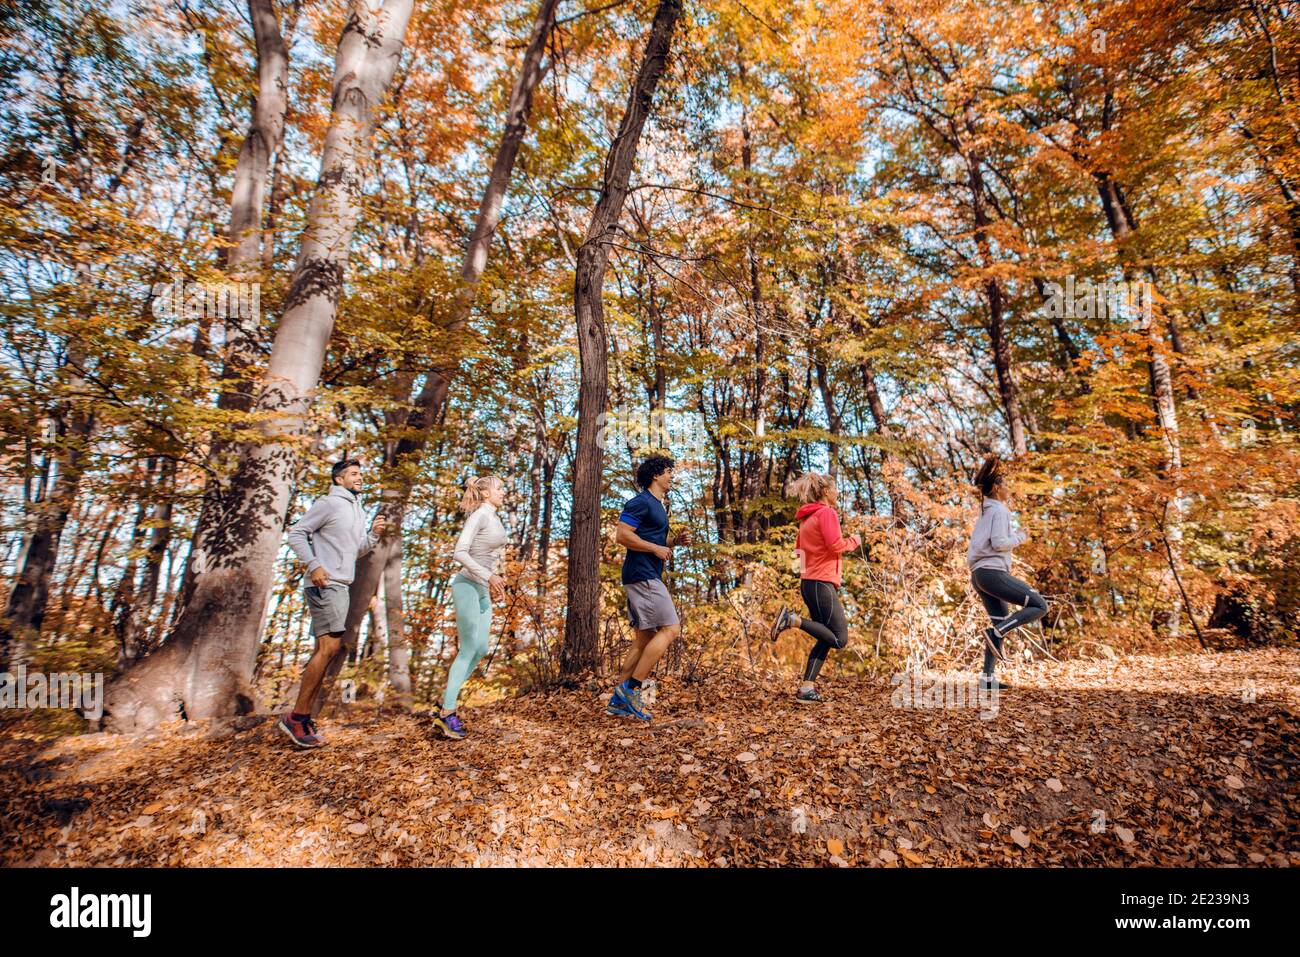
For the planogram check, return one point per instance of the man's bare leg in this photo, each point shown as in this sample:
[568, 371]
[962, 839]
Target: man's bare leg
[653, 651]
[332, 669]
[639, 642]
[327, 646]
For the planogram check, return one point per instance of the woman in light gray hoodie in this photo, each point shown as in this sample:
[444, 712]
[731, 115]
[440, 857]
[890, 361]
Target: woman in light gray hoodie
[989, 560]
[478, 549]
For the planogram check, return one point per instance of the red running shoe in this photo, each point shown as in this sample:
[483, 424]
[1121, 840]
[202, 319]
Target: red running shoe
[302, 733]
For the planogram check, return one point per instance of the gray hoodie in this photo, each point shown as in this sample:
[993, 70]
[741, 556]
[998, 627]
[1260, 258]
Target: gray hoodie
[331, 535]
[994, 538]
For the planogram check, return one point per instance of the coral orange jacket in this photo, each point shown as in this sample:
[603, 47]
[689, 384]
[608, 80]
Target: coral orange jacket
[820, 543]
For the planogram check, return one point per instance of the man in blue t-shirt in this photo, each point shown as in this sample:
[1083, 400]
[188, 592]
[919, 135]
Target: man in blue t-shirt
[643, 531]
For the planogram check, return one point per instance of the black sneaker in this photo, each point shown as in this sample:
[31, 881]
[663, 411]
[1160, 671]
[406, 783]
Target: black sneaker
[988, 682]
[992, 645]
[782, 623]
[809, 697]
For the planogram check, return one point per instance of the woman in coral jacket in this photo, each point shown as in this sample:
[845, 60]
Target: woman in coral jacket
[819, 547]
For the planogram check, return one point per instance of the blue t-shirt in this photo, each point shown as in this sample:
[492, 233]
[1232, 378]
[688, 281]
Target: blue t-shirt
[647, 515]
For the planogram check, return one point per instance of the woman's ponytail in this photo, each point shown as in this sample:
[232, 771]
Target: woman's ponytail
[988, 477]
[476, 492]
[810, 487]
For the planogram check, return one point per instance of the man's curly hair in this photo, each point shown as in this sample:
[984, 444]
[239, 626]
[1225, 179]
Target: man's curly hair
[651, 468]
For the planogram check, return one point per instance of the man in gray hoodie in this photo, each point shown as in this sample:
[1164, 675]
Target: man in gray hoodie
[328, 540]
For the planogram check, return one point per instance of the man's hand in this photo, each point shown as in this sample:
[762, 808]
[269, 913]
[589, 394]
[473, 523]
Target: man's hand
[662, 552]
[320, 577]
[497, 587]
[377, 528]
[683, 537]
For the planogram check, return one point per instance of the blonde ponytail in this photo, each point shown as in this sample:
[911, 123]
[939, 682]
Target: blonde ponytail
[810, 487]
[476, 491]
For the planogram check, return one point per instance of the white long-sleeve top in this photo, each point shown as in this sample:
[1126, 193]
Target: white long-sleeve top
[994, 538]
[481, 542]
[331, 535]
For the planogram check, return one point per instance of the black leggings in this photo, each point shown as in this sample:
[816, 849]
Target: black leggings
[825, 622]
[995, 588]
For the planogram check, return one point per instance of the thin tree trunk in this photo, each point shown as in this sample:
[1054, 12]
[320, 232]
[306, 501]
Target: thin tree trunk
[751, 466]
[74, 424]
[203, 670]
[429, 404]
[1122, 226]
[548, 510]
[160, 537]
[399, 648]
[25, 606]
[581, 628]
[124, 595]
[1008, 391]
[834, 420]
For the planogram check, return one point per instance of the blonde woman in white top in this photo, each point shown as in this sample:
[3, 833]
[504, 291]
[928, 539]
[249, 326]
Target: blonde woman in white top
[989, 560]
[478, 550]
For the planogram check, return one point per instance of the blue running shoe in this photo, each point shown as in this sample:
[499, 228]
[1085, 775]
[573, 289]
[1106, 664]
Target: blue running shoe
[631, 698]
[449, 726]
[616, 708]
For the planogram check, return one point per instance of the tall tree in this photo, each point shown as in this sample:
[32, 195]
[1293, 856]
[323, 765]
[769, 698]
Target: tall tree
[74, 418]
[429, 403]
[204, 668]
[583, 619]
[244, 234]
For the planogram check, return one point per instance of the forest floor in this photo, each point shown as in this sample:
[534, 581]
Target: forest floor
[1187, 760]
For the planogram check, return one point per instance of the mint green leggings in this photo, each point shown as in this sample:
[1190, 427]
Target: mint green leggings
[473, 622]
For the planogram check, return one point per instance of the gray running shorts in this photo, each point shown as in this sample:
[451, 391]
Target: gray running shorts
[328, 607]
[649, 605]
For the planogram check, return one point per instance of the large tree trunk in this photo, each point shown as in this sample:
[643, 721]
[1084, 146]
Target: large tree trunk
[204, 669]
[582, 623]
[248, 197]
[428, 405]
[1002, 365]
